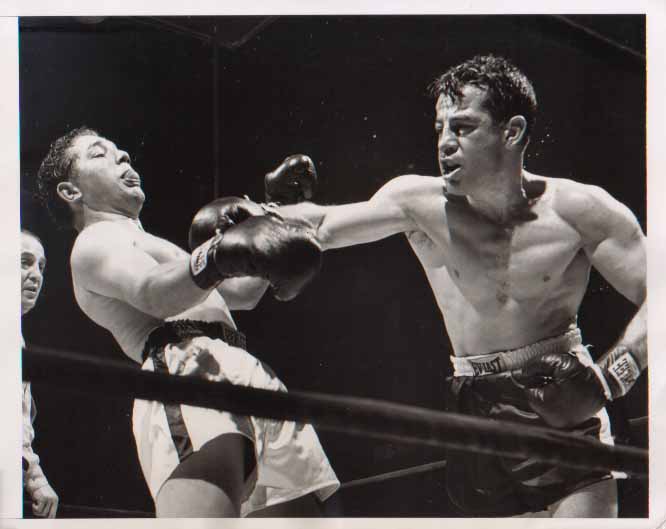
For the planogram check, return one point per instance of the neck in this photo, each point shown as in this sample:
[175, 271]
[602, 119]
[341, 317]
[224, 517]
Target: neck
[91, 216]
[504, 198]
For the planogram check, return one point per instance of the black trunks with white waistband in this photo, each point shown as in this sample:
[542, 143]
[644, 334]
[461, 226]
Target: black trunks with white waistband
[493, 485]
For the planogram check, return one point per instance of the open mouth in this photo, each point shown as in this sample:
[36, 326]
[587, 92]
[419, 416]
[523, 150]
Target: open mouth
[449, 169]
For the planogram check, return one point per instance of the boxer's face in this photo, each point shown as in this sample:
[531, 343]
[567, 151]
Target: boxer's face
[103, 175]
[33, 262]
[470, 145]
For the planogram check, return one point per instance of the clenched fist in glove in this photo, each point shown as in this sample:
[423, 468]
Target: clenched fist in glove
[240, 240]
[565, 392]
[293, 181]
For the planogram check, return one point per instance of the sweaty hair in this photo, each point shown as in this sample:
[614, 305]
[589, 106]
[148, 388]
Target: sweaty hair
[55, 168]
[508, 91]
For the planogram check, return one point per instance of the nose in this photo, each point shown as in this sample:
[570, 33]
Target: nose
[447, 143]
[122, 157]
[35, 273]
[34, 277]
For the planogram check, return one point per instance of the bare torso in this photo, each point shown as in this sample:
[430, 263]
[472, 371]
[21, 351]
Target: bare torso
[499, 287]
[130, 326]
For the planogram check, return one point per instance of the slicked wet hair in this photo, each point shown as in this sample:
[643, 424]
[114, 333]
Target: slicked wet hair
[55, 168]
[508, 91]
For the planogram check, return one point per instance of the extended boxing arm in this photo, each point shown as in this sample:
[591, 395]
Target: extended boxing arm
[361, 222]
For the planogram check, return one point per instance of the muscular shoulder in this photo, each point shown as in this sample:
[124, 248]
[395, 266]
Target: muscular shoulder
[96, 244]
[97, 238]
[591, 210]
[404, 189]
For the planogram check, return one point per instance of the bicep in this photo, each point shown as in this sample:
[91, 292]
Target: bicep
[115, 270]
[620, 254]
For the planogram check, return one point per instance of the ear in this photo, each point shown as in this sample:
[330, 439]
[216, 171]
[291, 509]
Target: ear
[515, 130]
[68, 192]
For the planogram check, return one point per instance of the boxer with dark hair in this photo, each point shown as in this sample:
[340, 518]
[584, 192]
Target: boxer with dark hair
[44, 498]
[170, 312]
[508, 254]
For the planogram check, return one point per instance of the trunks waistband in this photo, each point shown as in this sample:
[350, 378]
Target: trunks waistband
[498, 362]
[176, 331]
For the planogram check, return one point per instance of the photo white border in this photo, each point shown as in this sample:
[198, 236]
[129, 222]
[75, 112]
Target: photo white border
[9, 229]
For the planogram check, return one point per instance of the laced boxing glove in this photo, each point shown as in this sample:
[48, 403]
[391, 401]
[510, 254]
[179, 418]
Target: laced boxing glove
[565, 392]
[245, 243]
[293, 181]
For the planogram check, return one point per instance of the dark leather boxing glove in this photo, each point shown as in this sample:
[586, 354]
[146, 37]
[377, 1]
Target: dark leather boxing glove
[565, 392]
[293, 181]
[283, 252]
[220, 214]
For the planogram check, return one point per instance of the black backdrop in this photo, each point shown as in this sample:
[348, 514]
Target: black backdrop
[351, 93]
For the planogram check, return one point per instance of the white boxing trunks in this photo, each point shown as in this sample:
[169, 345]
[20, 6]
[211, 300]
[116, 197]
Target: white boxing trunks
[290, 460]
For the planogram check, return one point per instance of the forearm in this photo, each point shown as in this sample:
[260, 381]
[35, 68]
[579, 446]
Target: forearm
[314, 214]
[351, 224]
[620, 368]
[634, 337]
[168, 289]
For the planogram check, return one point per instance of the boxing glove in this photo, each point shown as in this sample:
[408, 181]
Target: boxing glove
[293, 181]
[565, 392]
[285, 253]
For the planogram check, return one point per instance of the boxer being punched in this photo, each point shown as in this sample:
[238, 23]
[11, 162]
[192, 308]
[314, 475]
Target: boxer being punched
[507, 254]
[170, 312]
[44, 499]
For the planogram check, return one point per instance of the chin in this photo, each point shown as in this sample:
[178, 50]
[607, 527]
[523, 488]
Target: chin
[454, 190]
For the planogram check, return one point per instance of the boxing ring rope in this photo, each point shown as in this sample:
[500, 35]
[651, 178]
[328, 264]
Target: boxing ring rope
[84, 511]
[409, 471]
[357, 416]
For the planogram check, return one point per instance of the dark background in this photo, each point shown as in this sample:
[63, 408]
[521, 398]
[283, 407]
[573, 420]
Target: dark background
[351, 93]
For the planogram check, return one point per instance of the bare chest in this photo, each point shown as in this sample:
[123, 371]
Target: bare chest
[493, 265]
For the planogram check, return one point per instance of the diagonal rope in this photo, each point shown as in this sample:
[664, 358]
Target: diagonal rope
[409, 471]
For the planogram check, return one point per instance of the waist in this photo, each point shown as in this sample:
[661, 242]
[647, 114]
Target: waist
[491, 363]
[176, 331]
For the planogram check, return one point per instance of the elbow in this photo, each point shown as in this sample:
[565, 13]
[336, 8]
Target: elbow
[157, 310]
[247, 303]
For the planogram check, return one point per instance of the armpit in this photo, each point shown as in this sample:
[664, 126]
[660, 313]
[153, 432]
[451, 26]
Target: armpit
[425, 249]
